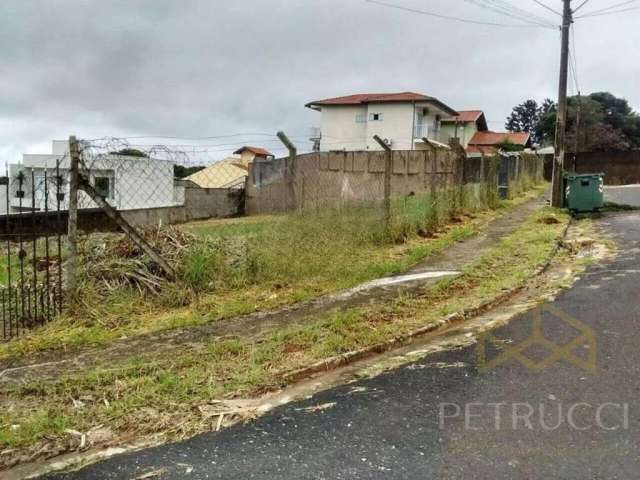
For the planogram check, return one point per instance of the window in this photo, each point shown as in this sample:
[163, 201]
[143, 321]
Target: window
[375, 117]
[361, 118]
[103, 186]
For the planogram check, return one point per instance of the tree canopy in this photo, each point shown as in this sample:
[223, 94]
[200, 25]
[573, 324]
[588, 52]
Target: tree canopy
[606, 122]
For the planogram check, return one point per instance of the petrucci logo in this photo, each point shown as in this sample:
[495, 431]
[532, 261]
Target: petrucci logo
[586, 338]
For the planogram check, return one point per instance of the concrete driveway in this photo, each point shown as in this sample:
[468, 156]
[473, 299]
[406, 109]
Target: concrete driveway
[514, 406]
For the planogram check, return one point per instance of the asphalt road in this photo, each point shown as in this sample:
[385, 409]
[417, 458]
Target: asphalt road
[578, 418]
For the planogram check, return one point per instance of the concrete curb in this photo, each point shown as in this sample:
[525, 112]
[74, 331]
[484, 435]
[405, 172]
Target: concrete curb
[337, 361]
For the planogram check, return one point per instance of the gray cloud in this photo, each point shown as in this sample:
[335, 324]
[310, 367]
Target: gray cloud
[212, 67]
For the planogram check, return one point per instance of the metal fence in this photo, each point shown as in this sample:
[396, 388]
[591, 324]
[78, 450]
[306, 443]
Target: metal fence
[31, 267]
[109, 183]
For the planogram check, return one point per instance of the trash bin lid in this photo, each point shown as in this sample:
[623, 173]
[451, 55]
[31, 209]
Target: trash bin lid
[575, 176]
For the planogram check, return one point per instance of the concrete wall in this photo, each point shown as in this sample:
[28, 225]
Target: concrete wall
[199, 204]
[318, 180]
[620, 168]
[321, 179]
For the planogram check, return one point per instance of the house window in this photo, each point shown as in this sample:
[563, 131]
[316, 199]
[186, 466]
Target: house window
[375, 117]
[361, 118]
[104, 187]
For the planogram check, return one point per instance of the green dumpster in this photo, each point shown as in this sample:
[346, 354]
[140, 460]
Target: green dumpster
[584, 192]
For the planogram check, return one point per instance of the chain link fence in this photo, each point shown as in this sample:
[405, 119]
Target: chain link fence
[301, 208]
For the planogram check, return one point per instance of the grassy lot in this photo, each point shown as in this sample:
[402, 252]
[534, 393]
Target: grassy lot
[260, 263]
[162, 392]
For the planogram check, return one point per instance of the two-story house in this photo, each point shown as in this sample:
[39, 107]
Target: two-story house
[402, 120]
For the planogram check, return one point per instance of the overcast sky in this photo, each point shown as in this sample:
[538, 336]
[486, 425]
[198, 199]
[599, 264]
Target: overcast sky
[205, 68]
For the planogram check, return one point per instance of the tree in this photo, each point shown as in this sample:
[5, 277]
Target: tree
[526, 117]
[606, 123]
[180, 171]
[130, 152]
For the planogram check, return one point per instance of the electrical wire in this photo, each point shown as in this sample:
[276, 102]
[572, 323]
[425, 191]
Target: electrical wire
[522, 12]
[606, 9]
[512, 14]
[574, 59]
[449, 17]
[580, 6]
[547, 7]
[608, 13]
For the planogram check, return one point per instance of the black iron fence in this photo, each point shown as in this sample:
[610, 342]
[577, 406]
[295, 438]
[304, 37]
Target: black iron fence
[31, 270]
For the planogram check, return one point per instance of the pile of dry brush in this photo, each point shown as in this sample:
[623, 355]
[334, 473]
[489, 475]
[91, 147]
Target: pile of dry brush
[112, 261]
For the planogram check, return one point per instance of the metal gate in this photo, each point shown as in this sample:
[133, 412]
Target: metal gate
[31, 267]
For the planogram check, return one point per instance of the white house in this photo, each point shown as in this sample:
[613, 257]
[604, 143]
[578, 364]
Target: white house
[465, 125]
[400, 119]
[127, 182]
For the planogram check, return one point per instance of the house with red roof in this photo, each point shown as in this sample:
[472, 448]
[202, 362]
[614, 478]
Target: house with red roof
[488, 142]
[403, 120]
[470, 127]
[465, 125]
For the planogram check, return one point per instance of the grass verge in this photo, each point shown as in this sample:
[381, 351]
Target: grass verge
[164, 392]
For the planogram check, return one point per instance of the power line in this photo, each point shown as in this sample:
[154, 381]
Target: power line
[574, 60]
[528, 18]
[449, 17]
[526, 13]
[547, 7]
[606, 9]
[580, 6]
[608, 13]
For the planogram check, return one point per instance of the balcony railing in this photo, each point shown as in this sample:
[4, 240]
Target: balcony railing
[430, 132]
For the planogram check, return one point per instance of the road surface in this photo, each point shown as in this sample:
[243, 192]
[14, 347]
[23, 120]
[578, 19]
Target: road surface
[578, 418]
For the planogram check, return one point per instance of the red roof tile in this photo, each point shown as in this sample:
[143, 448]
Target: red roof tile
[259, 152]
[373, 98]
[466, 116]
[364, 98]
[495, 138]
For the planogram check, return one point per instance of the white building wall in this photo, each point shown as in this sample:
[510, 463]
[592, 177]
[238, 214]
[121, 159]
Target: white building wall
[353, 127]
[396, 125]
[340, 130]
[136, 182]
[465, 133]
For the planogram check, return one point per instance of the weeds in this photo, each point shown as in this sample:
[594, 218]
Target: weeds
[229, 268]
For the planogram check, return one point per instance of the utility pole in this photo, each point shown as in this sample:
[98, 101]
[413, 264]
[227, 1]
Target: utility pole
[561, 123]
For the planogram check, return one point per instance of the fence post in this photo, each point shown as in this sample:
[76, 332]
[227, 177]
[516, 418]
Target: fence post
[388, 166]
[290, 170]
[72, 226]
